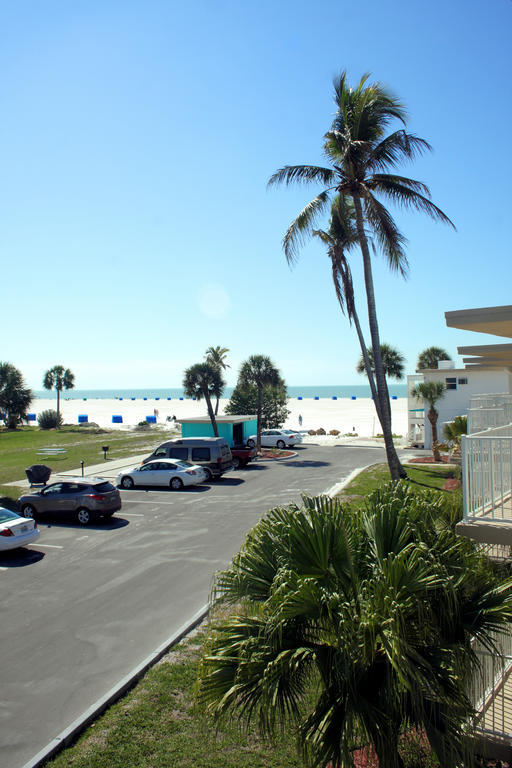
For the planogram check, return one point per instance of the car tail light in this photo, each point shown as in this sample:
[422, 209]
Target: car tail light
[190, 472]
[6, 532]
[219, 460]
[95, 496]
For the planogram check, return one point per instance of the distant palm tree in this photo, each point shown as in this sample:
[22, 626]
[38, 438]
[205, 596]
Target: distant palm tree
[432, 392]
[351, 625]
[217, 356]
[59, 378]
[392, 362]
[430, 357]
[362, 159]
[204, 380]
[260, 371]
[15, 397]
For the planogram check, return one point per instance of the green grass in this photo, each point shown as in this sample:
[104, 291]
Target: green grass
[421, 476]
[160, 725]
[18, 449]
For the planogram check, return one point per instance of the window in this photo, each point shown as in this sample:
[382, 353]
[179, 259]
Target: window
[462, 381]
[200, 454]
[160, 452]
[451, 383]
[178, 453]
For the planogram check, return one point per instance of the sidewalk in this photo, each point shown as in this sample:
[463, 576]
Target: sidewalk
[108, 469]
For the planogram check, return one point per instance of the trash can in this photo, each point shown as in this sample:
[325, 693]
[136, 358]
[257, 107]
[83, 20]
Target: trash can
[38, 474]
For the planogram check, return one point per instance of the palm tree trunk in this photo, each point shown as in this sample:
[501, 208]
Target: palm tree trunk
[258, 416]
[395, 468]
[58, 401]
[211, 413]
[432, 417]
[217, 406]
[367, 365]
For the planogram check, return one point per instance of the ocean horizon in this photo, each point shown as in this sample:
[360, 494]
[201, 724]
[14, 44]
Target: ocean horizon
[306, 392]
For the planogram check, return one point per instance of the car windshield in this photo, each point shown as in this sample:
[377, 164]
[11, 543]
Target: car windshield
[6, 515]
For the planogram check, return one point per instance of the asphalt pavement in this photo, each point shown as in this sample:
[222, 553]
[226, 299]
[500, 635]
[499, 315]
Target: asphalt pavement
[84, 605]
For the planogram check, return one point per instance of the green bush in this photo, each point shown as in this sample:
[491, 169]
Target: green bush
[320, 431]
[334, 432]
[49, 420]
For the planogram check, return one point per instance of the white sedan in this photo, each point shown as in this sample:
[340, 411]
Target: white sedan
[16, 531]
[279, 438]
[173, 473]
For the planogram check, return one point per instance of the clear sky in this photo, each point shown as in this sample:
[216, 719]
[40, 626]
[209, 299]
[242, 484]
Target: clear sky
[137, 138]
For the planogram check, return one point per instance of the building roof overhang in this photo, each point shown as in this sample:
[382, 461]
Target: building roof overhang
[494, 320]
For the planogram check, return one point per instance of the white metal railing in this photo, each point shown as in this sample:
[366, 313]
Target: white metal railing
[487, 474]
[487, 411]
[490, 692]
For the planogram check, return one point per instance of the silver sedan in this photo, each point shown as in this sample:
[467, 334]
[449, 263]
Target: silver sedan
[15, 531]
[173, 473]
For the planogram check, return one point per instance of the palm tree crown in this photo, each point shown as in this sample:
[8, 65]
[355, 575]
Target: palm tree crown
[355, 623]
[260, 371]
[392, 361]
[432, 392]
[430, 357]
[217, 356]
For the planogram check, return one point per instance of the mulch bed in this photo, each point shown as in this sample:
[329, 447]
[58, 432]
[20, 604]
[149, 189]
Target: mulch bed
[429, 460]
[275, 453]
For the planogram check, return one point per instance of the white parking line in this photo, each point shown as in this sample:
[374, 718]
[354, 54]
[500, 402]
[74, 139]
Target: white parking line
[131, 514]
[142, 501]
[53, 546]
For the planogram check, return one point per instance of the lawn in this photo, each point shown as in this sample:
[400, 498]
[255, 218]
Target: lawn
[421, 476]
[160, 725]
[19, 449]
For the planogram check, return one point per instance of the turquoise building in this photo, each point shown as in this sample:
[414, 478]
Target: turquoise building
[236, 429]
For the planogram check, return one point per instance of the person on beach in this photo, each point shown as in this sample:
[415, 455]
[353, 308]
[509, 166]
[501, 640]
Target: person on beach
[300, 420]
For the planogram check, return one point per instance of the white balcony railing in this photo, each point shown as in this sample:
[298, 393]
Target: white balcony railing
[487, 475]
[491, 691]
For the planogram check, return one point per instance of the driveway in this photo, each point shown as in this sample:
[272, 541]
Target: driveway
[83, 606]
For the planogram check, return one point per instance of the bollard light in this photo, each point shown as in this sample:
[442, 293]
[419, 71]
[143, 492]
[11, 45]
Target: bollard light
[82, 465]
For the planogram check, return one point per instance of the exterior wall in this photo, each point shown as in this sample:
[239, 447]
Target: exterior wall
[205, 429]
[456, 402]
[250, 428]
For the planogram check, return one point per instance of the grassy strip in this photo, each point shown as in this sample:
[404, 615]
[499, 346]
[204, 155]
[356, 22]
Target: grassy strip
[421, 476]
[18, 449]
[160, 725]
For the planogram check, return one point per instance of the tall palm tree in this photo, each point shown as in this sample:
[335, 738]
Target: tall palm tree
[430, 357]
[362, 158]
[260, 371]
[392, 362]
[353, 625]
[432, 392]
[217, 356]
[204, 380]
[59, 378]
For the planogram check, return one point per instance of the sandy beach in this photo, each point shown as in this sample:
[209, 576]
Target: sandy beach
[344, 414]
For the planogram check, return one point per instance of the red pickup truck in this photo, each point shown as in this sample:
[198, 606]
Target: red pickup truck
[242, 455]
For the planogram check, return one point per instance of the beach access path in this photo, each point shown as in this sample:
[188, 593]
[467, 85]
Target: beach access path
[83, 606]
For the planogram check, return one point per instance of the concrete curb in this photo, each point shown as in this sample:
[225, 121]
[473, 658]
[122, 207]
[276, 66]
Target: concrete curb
[69, 734]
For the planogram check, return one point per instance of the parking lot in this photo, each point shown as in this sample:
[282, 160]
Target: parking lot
[83, 605]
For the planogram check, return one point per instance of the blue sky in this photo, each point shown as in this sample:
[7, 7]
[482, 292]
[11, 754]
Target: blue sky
[137, 139]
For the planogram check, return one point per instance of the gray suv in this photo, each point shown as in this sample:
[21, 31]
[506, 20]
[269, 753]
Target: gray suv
[85, 498]
[211, 453]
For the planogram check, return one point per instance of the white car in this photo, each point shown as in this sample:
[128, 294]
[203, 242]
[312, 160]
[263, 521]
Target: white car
[173, 473]
[280, 438]
[16, 531]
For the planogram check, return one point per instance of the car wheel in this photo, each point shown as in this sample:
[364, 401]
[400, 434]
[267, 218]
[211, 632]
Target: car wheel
[251, 443]
[281, 444]
[176, 484]
[209, 475]
[28, 510]
[84, 516]
[127, 483]
[236, 462]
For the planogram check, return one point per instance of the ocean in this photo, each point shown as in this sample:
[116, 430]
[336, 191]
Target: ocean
[324, 391]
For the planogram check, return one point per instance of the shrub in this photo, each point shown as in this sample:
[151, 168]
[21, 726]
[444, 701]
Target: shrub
[320, 431]
[311, 432]
[49, 420]
[334, 432]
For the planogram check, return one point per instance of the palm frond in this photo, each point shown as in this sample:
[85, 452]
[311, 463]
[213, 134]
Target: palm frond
[302, 226]
[387, 233]
[395, 147]
[405, 192]
[301, 174]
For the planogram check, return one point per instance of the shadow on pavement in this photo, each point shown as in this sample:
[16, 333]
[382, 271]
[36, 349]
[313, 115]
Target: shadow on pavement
[305, 463]
[230, 481]
[19, 558]
[112, 524]
[165, 489]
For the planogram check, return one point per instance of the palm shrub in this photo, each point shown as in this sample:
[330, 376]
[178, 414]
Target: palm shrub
[50, 419]
[353, 626]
